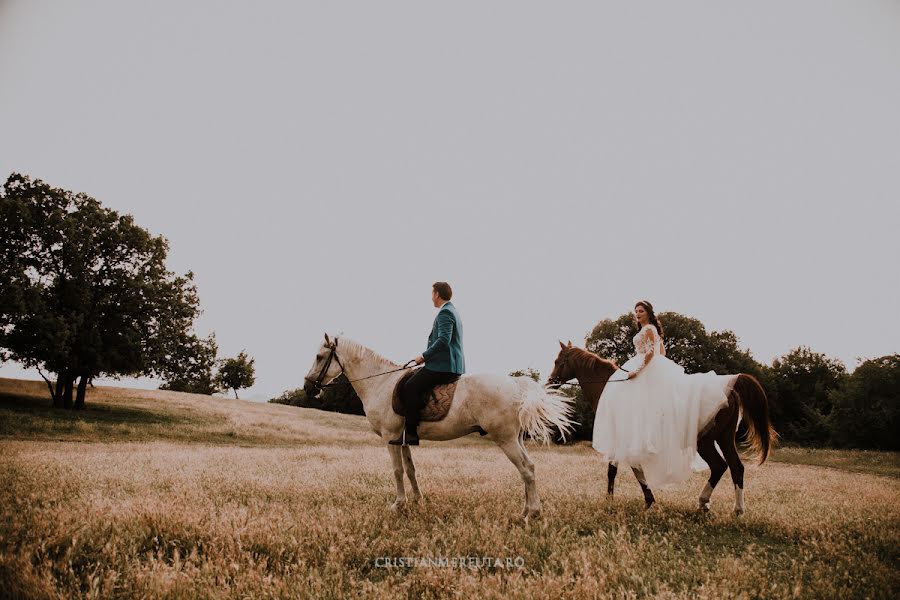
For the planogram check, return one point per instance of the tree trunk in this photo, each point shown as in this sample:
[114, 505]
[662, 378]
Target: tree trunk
[58, 396]
[67, 391]
[235, 394]
[54, 393]
[82, 387]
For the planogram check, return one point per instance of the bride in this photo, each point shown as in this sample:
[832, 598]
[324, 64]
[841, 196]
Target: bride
[651, 420]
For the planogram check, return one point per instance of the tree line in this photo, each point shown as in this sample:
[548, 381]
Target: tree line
[85, 292]
[813, 399]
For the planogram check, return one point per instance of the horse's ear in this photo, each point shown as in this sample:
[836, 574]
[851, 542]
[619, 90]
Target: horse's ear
[561, 345]
[327, 341]
[570, 343]
[335, 342]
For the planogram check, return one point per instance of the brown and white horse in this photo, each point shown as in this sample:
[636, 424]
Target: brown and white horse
[747, 398]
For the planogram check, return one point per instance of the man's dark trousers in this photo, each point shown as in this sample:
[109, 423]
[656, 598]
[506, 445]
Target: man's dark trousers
[413, 394]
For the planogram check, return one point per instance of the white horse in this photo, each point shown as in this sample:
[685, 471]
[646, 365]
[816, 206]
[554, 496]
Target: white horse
[507, 408]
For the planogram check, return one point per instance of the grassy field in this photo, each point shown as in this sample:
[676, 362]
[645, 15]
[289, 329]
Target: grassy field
[165, 494]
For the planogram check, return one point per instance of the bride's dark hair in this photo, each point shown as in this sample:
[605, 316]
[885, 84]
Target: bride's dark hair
[650, 315]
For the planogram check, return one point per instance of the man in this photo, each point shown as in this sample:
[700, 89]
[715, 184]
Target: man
[443, 359]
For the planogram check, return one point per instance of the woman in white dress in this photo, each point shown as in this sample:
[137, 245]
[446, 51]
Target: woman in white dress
[652, 420]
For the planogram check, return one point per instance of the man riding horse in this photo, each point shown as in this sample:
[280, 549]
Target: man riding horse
[443, 359]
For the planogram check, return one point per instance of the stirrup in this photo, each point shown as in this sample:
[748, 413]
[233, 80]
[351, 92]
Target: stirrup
[401, 441]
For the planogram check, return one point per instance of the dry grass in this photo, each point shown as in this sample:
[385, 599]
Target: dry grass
[154, 493]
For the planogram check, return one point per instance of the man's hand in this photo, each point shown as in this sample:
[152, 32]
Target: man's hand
[632, 375]
[419, 359]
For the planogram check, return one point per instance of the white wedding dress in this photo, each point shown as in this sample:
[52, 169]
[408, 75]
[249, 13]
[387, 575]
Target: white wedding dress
[652, 420]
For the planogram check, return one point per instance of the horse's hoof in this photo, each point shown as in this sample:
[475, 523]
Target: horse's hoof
[420, 499]
[703, 508]
[534, 515]
[738, 512]
[398, 505]
[649, 504]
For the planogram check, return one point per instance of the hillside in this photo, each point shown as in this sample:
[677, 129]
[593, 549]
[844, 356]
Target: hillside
[150, 493]
[126, 414]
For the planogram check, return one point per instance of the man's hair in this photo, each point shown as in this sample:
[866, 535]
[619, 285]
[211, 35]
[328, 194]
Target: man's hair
[443, 290]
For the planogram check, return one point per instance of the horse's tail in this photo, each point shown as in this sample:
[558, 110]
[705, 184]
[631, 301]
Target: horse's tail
[755, 409]
[543, 410]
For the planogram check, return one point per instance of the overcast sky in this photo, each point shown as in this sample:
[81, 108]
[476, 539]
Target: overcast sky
[319, 164]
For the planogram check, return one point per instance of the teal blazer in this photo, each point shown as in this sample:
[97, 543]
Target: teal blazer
[445, 344]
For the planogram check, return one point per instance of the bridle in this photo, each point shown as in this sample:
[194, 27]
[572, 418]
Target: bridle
[333, 356]
[554, 383]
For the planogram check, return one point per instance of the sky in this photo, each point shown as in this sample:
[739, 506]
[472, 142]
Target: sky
[318, 165]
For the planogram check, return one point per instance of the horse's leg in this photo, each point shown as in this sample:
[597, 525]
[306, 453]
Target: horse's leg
[729, 449]
[611, 477]
[410, 470]
[706, 447]
[648, 495]
[519, 457]
[535, 499]
[397, 461]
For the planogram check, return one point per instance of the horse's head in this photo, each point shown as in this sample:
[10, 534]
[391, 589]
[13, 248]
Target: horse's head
[563, 369]
[325, 369]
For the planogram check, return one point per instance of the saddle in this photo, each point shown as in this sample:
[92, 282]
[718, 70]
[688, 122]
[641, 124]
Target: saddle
[436, 406]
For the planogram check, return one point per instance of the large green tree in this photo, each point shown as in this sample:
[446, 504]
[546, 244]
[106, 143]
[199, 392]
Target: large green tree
[865, 409]
[686, 340]
[84, 291]
[800, 385]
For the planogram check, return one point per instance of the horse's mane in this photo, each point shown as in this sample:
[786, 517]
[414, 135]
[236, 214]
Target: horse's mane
[589, 360]
[356, 350]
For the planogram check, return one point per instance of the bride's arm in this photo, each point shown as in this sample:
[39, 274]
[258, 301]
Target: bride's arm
[648, 356]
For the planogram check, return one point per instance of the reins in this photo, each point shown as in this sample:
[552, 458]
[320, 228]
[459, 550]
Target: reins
[403, 368]
[579, 383]
[333, 356]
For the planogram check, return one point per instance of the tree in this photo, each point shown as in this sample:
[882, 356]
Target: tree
[84, 291]
[686, 340]
[191, 369]
[866, 407]
[611, 338]
[236, 373]
[800, 396]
